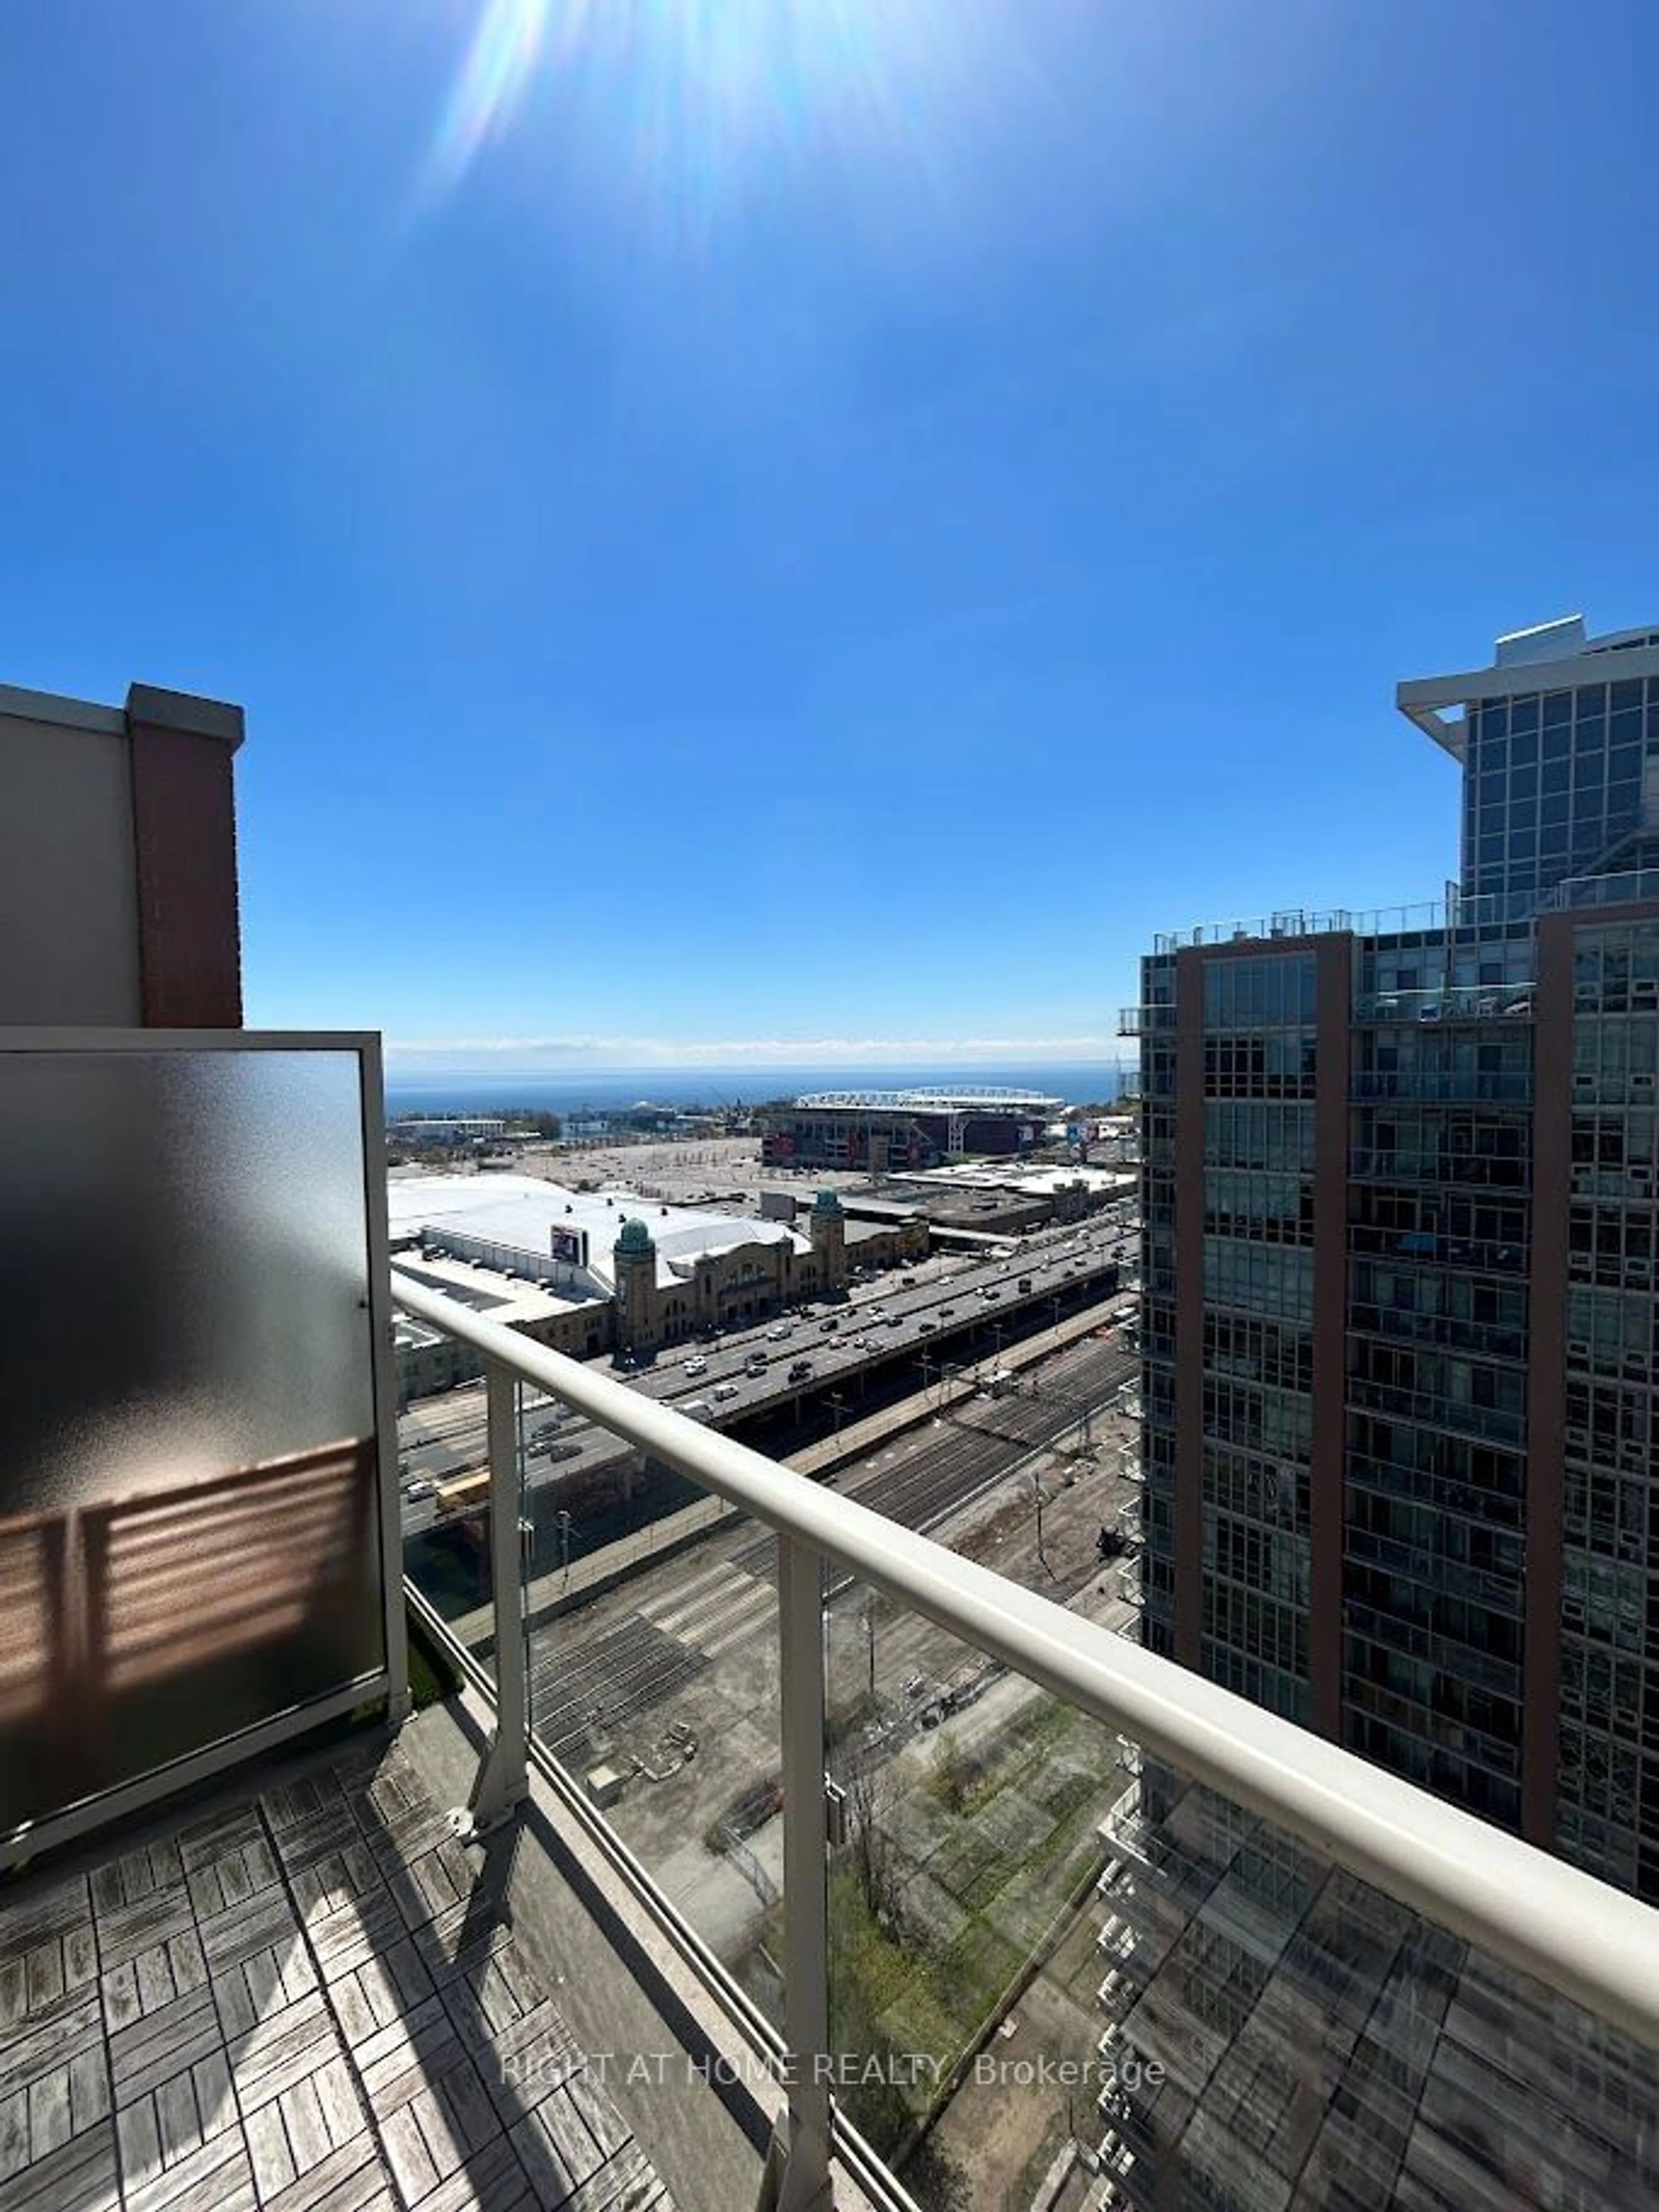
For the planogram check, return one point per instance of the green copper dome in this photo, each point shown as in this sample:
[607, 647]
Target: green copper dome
[635, 1238]
[826, 1202]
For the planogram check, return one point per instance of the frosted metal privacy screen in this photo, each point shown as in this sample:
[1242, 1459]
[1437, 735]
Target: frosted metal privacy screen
[189, 1512]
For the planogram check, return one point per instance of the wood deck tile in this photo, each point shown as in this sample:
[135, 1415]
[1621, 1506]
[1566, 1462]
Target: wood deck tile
[363, 2001]
[53, 1910]
[490, 1997]
[124, 1931]
[407, 2156]
[290, 1804]
[555, 2151]
[69, 2096]
[626, 2183]
[328, 1825]
[351, 2179]
[162, 2128]
[281, 2051]
[457, 1941]
[432, 1882]
[58, 2033]
[167, 2044]
[202, 1841]
[147, 1872]
[225, 1882]
[489, 2180]
[152, 1979]
[236, 1932]
[171, 2040]
[528, 2061]
[371, 1924]
[410, 2054]
[14, 2132]
[79, 2177]
[338, 1878]
[216, 2177]
[262, 1985]
[297, 2133]
[48, 1958]
[253, 1923]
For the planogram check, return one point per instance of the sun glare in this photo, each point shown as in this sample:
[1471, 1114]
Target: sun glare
[691, 93]
[503, 53]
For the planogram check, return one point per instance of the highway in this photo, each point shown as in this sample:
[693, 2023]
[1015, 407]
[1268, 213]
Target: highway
[936, 1307]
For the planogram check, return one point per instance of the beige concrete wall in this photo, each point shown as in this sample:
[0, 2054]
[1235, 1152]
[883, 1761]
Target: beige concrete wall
[69, 893]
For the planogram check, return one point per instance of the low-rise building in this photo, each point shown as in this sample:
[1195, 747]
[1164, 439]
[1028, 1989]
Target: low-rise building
[592, 1272]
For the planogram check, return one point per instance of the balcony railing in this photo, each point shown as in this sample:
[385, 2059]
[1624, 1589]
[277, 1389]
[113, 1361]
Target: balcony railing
[1198, 1772]
[1630, 885]
[1442, 1085]
[1488, 911]
[1497, 1002]
[1432, 1247]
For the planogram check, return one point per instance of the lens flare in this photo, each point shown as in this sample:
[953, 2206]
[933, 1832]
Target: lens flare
[504, 51]
[686, 101]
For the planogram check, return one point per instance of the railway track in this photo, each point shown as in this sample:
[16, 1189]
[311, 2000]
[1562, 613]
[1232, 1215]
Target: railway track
[720, 1598]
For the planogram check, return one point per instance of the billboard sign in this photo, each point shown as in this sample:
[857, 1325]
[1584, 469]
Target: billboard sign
[569, 1245]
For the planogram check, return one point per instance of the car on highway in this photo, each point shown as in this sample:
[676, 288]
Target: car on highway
[776, 1335]
[698, 1366]
[894, 1320]
[420, 1488]
[697, 1409]
[927, 1328]
[828, 1328]
[800, 1370]
[724, 1391]
[947, 1313]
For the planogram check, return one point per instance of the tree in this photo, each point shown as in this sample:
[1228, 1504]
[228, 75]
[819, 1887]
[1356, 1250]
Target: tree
[524, 1120]
[870, 1851]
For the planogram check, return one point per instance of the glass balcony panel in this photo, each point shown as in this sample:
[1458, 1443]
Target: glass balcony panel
[1046, 1946]
[649, 1616]
[967, 1941]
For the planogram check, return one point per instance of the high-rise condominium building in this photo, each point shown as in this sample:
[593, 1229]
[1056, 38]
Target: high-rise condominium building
[1401, 1343]
[1399, 1321]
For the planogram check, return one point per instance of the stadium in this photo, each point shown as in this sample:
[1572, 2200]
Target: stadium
[883, 1130]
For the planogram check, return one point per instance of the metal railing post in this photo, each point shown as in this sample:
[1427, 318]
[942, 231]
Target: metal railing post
[503, 1782]
[805, 2176]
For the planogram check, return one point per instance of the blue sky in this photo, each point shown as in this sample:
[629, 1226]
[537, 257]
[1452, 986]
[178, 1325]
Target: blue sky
[793, 520]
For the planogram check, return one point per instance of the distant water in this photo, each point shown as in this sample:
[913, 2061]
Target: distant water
[1078, 1082]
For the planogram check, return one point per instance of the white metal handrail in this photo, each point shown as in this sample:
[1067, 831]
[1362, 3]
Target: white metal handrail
[1579, 1936]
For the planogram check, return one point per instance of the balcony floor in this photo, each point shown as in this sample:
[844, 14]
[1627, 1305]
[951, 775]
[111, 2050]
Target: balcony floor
[307, 1999]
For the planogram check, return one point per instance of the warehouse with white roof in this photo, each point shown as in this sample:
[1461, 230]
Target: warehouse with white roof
[592, 1271]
